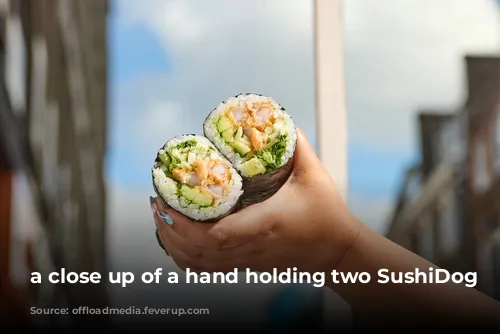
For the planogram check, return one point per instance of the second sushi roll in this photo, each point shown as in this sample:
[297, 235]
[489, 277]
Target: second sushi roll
[258, 137]
[191, 176]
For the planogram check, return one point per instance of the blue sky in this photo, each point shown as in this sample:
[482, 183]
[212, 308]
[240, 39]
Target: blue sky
[137, 50]
[134, 51]
[170, 62]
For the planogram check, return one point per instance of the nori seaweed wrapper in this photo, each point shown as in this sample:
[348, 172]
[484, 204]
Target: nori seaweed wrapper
[259, 188]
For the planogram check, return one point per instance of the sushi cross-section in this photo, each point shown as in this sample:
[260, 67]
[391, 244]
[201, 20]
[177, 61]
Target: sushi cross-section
[258, 136]
[191, 176]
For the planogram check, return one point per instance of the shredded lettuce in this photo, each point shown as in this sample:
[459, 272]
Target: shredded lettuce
[165, 159]
[272, 157]
[186, 144]
[278, 148]
[177, 155]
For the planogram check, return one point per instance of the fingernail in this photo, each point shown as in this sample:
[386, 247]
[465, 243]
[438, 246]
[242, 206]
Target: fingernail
[165, 217]
[153, 204]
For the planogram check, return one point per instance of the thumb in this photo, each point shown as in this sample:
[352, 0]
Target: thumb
[305, 159]
[307, 167]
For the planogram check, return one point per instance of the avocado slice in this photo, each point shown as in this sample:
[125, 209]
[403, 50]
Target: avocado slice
[203, 199]
[254, 167]
[223, 124]
[228, 135]
[165, 159]
[241, 147]
[189, 193]
[238, 134]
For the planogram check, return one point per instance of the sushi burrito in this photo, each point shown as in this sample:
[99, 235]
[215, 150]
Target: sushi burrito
[244, 157]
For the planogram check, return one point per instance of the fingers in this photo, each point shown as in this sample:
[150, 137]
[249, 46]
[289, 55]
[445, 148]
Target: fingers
[198, 259]
[225, 234]
[222, 247]
[184, 254]
[171, 221]
[187, 255]
[306, 161]
[177, 243]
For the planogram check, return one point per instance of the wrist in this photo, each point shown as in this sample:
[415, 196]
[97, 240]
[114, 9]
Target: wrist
[346, 258]
[344, 239]
[362, 256]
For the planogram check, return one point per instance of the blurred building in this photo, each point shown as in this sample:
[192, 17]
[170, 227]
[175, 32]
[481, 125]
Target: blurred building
[483, 161]
[451, 216]
[53, 101]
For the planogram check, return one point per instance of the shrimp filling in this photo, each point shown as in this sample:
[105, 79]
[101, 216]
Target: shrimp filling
[203, 177]
[256, 131]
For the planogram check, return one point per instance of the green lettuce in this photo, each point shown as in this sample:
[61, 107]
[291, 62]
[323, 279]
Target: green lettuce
[272, 157]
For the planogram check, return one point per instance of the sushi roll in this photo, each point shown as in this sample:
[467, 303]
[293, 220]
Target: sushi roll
[258, 137]
[191, 176]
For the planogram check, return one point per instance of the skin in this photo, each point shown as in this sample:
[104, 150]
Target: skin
[307, 225]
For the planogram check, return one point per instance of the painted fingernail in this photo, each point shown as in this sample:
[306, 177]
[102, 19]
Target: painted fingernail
[165, 217]
[152, 202]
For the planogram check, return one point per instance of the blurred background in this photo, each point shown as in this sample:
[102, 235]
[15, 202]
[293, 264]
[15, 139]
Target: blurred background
[92, 88]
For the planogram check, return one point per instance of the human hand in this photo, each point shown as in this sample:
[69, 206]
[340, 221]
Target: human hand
[304, 225]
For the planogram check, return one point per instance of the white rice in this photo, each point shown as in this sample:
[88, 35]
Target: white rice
[210, 129]
[167, 187]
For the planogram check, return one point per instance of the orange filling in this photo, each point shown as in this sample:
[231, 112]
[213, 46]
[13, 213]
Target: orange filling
[253, 119]
[202, 175]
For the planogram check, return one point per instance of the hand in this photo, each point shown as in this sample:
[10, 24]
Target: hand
[304, 225]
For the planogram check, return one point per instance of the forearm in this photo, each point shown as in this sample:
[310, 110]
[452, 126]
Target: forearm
[419, 302]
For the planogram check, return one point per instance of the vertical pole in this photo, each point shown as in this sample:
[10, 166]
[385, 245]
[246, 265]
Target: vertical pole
[331, 124]
[330, 99]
